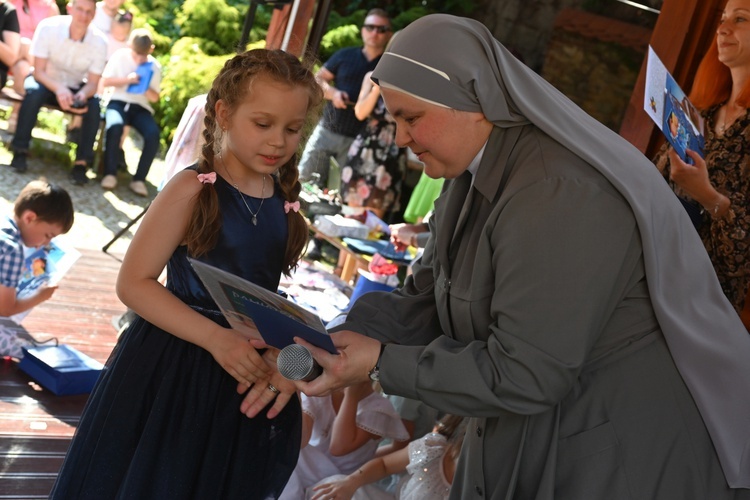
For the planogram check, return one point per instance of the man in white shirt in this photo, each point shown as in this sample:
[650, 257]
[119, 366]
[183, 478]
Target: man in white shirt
[69, 57]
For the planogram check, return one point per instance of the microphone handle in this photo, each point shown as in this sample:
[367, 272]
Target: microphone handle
[315, 371]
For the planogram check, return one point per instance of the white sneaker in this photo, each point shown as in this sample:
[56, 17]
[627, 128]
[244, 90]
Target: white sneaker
[109, 182]
[139, 188]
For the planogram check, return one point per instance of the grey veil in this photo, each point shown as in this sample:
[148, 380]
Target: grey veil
[457, 62]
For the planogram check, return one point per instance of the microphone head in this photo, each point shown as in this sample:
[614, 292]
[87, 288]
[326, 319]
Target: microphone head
[295, 362]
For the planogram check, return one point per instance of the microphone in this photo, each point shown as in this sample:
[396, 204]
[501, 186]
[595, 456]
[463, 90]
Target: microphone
[295, 362]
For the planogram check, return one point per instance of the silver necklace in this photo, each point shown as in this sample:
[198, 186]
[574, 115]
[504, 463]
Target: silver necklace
[242, 196]
[723, 125]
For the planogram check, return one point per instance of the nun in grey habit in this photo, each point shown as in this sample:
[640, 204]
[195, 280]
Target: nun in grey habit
[564, 300]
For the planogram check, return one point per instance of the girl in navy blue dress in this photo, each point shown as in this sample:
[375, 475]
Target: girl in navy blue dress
[186, 407]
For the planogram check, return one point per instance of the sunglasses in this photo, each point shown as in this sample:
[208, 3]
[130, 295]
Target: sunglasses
[376, 27]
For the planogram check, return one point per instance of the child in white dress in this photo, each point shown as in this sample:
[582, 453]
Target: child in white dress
[340, 433]
[430, 463]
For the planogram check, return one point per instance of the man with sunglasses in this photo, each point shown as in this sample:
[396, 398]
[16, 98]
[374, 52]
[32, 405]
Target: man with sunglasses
[341, 78]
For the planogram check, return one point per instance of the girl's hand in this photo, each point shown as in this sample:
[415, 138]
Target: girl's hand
[262, 393]
[238, 357]
[692, 179]
[335, 490]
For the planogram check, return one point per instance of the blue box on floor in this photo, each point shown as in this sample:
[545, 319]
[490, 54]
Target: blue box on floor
[61, 369]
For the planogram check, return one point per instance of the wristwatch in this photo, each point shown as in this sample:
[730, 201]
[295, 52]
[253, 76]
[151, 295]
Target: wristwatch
[375, 372]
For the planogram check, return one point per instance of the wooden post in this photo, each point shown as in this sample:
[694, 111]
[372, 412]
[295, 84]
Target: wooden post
[681, 36]
[278, 26]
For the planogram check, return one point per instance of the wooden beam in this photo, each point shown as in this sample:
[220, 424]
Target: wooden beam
[682, 34]
[278, 26]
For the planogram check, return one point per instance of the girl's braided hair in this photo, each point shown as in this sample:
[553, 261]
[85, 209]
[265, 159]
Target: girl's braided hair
[231, 86]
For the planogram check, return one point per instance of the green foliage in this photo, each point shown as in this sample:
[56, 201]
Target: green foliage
[338, 38]
[190, 72]
[51, 121]
[404, 19]
[194, 38]
[344, 31]
[336, 20]
[162, 41]
[212, 22]
[395, 7]
[159, 15]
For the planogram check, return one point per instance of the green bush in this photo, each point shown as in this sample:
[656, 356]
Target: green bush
[395, 7]
[162, 40]
[190, 72]
[212, 23]
[159, 15]
[344, 31]
[194, 38]
[405, 18]
[338, 38]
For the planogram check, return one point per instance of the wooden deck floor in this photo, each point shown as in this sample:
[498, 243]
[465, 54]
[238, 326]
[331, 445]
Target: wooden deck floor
[35, 425]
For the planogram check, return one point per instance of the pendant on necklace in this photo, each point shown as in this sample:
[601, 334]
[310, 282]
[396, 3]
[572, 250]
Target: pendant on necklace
[254, 216]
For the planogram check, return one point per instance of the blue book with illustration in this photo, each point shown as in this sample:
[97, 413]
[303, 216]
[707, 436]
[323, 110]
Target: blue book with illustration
[144, 71]
[671, 110]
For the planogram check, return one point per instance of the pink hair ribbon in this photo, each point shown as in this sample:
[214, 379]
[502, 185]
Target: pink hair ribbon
[208, 178]
[293, 206]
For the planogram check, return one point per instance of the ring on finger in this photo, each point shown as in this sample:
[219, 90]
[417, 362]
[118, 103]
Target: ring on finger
[273, 389]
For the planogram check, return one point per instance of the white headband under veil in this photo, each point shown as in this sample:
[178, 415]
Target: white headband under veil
[458, 63]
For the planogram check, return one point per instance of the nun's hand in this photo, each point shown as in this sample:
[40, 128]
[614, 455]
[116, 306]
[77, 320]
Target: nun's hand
[357, 355]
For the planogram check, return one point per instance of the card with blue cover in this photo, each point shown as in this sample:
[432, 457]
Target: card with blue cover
[250, 309]
[671, 110]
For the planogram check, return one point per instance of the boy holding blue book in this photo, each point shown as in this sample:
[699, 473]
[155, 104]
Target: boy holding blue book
[136, 78]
